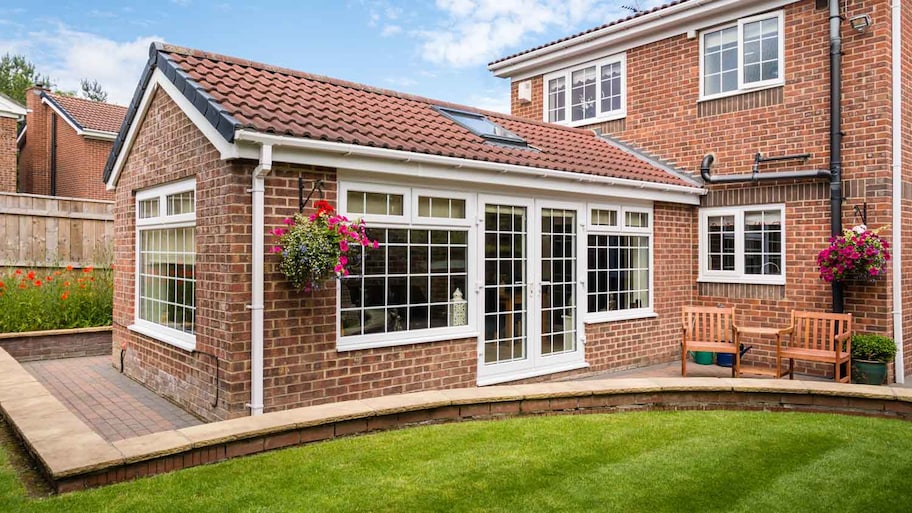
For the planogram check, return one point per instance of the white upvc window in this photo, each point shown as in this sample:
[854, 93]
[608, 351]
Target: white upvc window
[619, 281]
[742, 56]
[414, 287]
[166, 263]
[743, 244]
[587, 93]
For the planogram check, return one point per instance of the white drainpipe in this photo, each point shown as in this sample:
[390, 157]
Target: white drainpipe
[897, 191]
[256, 301]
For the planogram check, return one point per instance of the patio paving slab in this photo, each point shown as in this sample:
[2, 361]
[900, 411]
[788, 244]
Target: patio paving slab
[113, 405]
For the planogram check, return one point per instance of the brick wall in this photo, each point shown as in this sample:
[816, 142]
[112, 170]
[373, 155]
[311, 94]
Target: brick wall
[7, 154]
[80, 160]
[52, 346]
[665, 118]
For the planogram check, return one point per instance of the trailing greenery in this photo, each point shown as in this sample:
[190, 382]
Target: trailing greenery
[868, 346]
[651, 462]
[46, 299]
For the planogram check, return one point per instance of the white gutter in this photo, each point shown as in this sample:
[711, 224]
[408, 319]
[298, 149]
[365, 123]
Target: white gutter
[258, 240]
[897, 224]
[405, 156]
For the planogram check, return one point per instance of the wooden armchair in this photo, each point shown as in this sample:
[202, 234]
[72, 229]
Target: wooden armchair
[818, 337]
[707, 328]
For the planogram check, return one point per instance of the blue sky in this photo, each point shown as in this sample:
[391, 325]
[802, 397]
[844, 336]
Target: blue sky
[436, 48]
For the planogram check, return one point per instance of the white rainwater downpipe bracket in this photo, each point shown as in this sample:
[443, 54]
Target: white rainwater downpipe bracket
[896, 41]
[258, 192]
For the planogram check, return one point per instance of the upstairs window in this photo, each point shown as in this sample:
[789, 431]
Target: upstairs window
[586, 93]
[745, 55]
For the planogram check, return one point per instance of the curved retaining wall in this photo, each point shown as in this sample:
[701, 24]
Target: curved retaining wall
[50, 432]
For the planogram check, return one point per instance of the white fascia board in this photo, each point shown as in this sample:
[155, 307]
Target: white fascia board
[649, 28]
[10, 109]
[158, 80]
[88, 133]
[418, 165]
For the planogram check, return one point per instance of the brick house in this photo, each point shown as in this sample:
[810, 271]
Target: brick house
[66, 144]
[464, 202]
[601, 233]
[10, 115]
[740, 80]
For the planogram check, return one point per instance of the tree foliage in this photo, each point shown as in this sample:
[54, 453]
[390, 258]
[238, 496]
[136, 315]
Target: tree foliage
[18, 74]
[92, 90]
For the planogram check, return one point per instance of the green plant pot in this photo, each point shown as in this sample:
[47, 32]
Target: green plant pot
[866, 372]
[703, 357]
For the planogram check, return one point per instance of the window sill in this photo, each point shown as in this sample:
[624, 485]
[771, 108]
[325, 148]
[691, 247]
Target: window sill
[601, 317]
[532, 373]
[744, 280]
[592, 121]
[168, 336]
[386, 340]
[738, 92]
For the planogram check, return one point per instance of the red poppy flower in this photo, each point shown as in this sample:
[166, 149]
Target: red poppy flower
[69, 268]
[37, 283]
[30, 275]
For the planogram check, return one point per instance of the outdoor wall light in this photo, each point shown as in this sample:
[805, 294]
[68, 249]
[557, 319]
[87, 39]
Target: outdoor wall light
[860, 22]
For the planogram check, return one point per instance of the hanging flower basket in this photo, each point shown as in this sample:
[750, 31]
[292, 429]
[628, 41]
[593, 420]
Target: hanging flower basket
[316, 248]
[857, 254]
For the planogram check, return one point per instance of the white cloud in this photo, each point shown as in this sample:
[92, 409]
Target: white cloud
[68, 56]
[474, 32]
[401, 82]
[390, 30]
[494, 102]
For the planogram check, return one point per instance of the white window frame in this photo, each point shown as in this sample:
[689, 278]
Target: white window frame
[752, 86]
[738, 275]
[177, 338]
[410, 220]
[567, 73]
[620, 230]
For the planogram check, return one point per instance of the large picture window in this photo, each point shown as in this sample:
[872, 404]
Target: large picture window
[166, 263]
[415, 284]
[742, 56]
[743, 244]
[619, 281]
[587, 93]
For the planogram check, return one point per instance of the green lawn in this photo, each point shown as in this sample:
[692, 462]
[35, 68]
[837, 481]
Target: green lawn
[665, 461]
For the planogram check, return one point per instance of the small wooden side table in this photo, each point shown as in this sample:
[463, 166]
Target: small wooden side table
[755, 330]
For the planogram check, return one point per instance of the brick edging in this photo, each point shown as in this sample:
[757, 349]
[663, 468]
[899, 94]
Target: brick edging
[208, 443]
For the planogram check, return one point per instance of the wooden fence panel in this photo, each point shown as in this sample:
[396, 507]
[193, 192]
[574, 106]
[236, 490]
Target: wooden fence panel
[45, 231]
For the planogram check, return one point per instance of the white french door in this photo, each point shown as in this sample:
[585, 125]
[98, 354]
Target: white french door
[530, 288]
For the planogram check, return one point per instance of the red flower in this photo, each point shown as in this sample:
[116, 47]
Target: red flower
[30, 275]
[1, 285]
[65, 296]
[87, 269]
[18, 272]
[23, 285]
[323, 207]
[37, 283]
[69, 268]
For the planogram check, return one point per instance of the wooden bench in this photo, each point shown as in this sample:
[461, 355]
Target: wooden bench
[707, 328]
[818, 337]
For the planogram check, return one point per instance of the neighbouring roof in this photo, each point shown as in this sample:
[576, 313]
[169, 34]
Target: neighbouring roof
[88, 114]
[235, 94]
[594, 29]
[10, 106]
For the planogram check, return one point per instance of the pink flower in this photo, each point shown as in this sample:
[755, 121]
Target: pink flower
[375, 245]
[289, 221]
[276, 249]
[343, 260]
[278, 232]
[338, 268]
[343, 246]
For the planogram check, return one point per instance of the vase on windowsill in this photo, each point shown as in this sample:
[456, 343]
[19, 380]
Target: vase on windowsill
[313, 249]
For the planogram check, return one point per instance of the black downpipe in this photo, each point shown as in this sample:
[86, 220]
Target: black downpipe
[836, 138]
[53, 154]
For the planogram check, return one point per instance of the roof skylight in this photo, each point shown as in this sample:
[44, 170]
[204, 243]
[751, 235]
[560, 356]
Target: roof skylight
[480, 125]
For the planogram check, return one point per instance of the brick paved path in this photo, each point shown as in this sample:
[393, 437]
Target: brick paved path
[113, 405]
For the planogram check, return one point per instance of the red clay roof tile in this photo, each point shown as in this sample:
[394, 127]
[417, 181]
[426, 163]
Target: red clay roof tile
[92, 115]
[281, 101]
